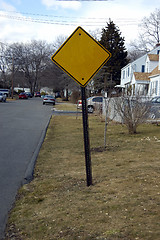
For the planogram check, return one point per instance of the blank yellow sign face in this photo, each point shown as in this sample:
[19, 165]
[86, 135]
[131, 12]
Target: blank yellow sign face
[81, 56]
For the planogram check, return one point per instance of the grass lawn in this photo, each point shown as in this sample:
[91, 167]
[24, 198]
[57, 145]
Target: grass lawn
[67, 107]
[124, 201]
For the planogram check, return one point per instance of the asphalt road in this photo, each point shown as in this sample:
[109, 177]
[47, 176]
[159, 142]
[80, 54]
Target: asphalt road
[23, 125]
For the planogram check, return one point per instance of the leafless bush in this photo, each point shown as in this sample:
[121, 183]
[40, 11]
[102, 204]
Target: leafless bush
[75, 96]
[132, 110]
[98, 109]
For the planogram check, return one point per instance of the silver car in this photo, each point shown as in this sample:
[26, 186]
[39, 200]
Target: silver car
[49, 99]
[94, 103]
[2, 97]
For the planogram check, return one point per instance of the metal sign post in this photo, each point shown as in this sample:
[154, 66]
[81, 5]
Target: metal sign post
[81, 57]
[86, 137]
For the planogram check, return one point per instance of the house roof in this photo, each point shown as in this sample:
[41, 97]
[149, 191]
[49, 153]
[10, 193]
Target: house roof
[142, 76]
[153, 57]
[155, 72]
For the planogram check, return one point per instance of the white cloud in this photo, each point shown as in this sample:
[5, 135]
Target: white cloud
[75, 5]
[6, 6]
[25, 29]
[126, 16]
[13, 30]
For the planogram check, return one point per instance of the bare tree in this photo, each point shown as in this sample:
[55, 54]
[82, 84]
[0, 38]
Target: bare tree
[151, 28]
[13, 62]
[3, 65]
[32, 60]
[135, 51]
[96, 34]
[149, 33]
[132, 110]
[59, 41]
[9, 64]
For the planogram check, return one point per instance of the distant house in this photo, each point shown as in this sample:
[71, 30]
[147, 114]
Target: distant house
[46, 90]
[17, 89]
[142, 76]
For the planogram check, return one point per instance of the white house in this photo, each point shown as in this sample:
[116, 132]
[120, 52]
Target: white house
[143, 75]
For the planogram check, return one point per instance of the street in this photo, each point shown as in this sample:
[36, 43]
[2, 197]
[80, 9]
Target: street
[23, 125]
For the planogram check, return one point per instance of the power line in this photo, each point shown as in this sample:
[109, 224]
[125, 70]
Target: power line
[62, 22]
[67, 17]
[60, 16]
[84, 0]
[68, 22]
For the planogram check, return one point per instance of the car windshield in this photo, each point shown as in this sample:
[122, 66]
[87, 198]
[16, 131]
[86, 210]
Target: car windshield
[89, 98]
[48, 96]
[157, 100]
[97, 99]
[153, 99]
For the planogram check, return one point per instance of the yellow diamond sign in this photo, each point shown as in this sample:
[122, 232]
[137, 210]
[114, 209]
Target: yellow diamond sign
[81, 56]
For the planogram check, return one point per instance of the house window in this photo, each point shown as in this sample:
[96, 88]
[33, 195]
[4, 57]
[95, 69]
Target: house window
[128, 72]
[133, 87]
[123, 74]
[147, 67]
[158, 51]
[143, 68]
[156, 87]
[146, 88]
[151, 88]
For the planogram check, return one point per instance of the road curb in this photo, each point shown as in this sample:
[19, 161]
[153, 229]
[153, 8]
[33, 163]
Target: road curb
[28, 177]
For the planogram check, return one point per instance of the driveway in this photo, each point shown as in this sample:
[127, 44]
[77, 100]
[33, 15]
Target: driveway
[23, 125]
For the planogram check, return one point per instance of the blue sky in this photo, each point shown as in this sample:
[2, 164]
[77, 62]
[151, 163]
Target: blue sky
[24, 20]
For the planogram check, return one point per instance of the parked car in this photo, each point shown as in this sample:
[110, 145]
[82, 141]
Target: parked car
[155, 100]
[154, 108]
[49, 99]
[2, 97]
[23, 95]
[29, 94]
[5, 91]
[37, 94]
[93, 103]
[79, 104]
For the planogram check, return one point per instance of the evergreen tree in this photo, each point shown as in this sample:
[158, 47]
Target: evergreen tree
[111, 39]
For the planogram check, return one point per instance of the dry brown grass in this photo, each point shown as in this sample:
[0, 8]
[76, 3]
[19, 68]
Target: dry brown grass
[66, 106]
[124, 201]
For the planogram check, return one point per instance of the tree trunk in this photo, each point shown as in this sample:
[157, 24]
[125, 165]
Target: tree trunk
[132, 128]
